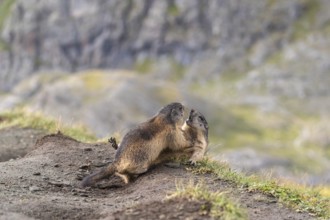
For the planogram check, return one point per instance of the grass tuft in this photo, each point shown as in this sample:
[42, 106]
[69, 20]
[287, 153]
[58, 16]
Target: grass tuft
[221, 206]
[23, 118]
[5, 7]
[298, 197]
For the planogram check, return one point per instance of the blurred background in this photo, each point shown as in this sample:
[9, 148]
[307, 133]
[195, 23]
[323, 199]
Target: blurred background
[258, 71]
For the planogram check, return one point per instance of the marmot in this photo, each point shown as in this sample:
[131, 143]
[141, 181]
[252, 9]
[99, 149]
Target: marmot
[195, 130]
[142, 145]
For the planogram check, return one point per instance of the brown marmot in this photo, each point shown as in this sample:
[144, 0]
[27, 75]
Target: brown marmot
[142, 145]
[195, 130]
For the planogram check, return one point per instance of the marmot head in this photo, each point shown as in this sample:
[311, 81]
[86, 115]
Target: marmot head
[198, 121]
[173, 112]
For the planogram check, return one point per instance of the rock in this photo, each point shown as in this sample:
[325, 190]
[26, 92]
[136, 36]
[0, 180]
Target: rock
[59, 184]
[84, 166]
[34, 188]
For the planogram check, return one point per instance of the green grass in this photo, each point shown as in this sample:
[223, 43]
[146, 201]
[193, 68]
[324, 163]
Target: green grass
[3, 45]
[5, 10]
[95, 80]
[177, 70]
[232, 75]
[305, 23]
[221, 206]
[144, 66]
[5, 7]
[297, 197]
[23, 118]
[173, 10]
[240, 127]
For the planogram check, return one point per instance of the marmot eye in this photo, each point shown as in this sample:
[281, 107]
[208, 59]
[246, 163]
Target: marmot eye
[201, 118]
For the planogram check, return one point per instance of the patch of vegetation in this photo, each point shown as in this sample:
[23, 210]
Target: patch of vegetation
[237, 127]
[236, 130]
[23, 118]
[175, 70]
[232, 75]
[326, 28]
[3, 45]
[275, 58]
[173, 9]
[167, 95]
[178, 70]
[298, 197]
[144, 66]
[270, 3]
[95, 80]
[303, 25]
[5, 7]
[221, 206]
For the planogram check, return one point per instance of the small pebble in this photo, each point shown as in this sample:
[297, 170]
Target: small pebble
[34, 189]
[59, 184]
[84, 167]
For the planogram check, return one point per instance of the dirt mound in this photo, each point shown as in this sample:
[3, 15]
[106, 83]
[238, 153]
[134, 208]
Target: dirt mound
[44, 185]
[17, 142]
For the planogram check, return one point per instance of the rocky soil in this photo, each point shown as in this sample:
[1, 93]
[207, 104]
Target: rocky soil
[44, 185]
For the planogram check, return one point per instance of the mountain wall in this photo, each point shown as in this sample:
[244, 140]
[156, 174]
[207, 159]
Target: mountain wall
[205, 37]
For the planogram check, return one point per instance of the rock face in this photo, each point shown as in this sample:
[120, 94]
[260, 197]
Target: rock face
[73, 35]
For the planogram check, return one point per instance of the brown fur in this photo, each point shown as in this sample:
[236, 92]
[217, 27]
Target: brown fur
[195, 131]
[142, 145]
